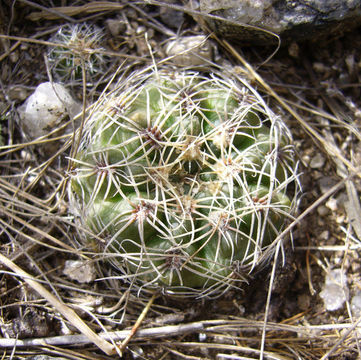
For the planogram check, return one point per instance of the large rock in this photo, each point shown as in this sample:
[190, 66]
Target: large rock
[255, 21]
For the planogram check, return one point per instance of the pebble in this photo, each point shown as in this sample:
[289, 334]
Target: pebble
[189, 50]
[326, 183]
[332, 204]
[17, 93]
[317, 162]
[356, 305]
[79, 270]
[116, 26]
[335, 291]
[44, 110]
[171, 17]
[303, 302]
[325, 235]
[322, 210]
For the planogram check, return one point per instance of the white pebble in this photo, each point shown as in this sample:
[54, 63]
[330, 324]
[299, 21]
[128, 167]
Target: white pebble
[322, 210]
[189, 50]
[317, 161]
[335, 291]
[44, 110]
[81, 271]
[356, 305]
[332, 204]
[325, 235]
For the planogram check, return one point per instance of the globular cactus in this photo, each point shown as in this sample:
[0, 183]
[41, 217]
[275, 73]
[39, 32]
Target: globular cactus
[77, 46]
[185, 180]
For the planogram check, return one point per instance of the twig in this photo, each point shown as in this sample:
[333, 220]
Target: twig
[218, 346]
[67, 312]
[137, 323]
[66, 340]
[212, 326]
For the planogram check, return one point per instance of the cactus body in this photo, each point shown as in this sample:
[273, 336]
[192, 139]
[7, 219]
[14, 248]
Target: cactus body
[186, 179]
[78, 46]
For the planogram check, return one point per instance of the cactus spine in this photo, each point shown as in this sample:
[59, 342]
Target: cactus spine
[185, 179]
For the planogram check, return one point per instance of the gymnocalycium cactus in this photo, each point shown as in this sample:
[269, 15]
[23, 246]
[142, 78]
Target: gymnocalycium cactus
[78, 45]
[185, 180]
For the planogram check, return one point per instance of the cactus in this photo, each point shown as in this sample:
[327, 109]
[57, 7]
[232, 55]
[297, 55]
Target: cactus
[185, 180]
[77, 46]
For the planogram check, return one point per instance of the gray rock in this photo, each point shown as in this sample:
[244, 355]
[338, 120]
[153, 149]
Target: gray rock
[80, 270]
[170, 16]
[254, 21]
[317, 161]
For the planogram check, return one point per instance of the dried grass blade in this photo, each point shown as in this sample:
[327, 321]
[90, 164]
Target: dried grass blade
[138, 323]
[92, 7]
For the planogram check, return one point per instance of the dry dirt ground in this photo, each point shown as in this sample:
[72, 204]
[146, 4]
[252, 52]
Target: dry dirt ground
[316, 89]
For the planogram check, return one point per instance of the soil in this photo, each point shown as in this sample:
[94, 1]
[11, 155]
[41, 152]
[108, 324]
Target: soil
[320, 81]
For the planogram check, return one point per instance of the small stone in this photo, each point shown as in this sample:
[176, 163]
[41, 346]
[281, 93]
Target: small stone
[335, 291]
[340, 219]
[306, 158]
[44, 110]
[116, 26]
[170, 16]
[303, 302]
[322, 210]
[356, 305]
[326, 183]
[320, 67]
[189, 50]
[332, 204]
[317, 161]
[294, 50]
[25, 155]
[30, 324]
[79, 270]
[325, 235]
[202, 337]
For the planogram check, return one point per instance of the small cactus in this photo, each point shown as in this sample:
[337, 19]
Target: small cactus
[185, 180]
[78, 45]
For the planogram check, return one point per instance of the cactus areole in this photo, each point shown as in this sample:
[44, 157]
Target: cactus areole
[185, 180]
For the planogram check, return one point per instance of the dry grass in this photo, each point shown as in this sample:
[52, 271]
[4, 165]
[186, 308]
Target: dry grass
[279, 315]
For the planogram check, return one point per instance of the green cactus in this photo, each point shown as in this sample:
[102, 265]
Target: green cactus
[185, 179]
[77, 46]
